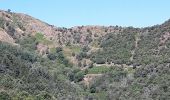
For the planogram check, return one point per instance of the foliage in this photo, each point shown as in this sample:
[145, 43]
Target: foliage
[41, 39]
[76, 75]
[52, 56]
[138, 63]
[24, 71]
[81, 55]
[149, 82]
[116, 48]
[4, 96]
[79, 76]
[98, 70]
[28, 43]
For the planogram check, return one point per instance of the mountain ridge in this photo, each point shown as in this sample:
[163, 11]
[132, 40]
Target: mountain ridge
[40, 26]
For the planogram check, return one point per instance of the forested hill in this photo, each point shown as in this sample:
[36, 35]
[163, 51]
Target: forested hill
[39, 61]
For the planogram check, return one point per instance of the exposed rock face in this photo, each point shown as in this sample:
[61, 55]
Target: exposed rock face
[5, 37]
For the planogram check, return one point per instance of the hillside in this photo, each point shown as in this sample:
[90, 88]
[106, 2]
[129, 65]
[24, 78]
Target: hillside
[44, 62]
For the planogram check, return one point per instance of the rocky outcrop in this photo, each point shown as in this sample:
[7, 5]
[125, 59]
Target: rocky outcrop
[4, 37]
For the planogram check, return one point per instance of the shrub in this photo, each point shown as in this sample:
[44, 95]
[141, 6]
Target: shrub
[44, 96]
[92, 89]
[81, 55]
[52, 56]
[28, 43]
[4, 96]
[79, 76]
[58, 49]
[85, 49]
[99, 60]
[91, 65]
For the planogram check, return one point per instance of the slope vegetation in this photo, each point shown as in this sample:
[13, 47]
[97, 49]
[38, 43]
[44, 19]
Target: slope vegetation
[39, 61]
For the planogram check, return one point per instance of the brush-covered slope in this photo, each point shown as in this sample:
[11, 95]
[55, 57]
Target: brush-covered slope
[39, 61]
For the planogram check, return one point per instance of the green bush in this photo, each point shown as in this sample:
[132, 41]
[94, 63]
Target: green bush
[4, 96]
[116, 48]
[28, 43]
[44, 96]
[79, 76]
[58, 49]
[52, 56]
[21, 72]
[99, 60]
[81, 55]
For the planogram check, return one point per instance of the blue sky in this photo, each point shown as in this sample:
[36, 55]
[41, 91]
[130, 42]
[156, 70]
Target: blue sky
[69, 13]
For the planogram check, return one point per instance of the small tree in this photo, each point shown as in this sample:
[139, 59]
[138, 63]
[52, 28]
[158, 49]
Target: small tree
[9, 10]
[85, 49]
[58, 49]
[92, 89]
[51, 56]
[79, 76]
